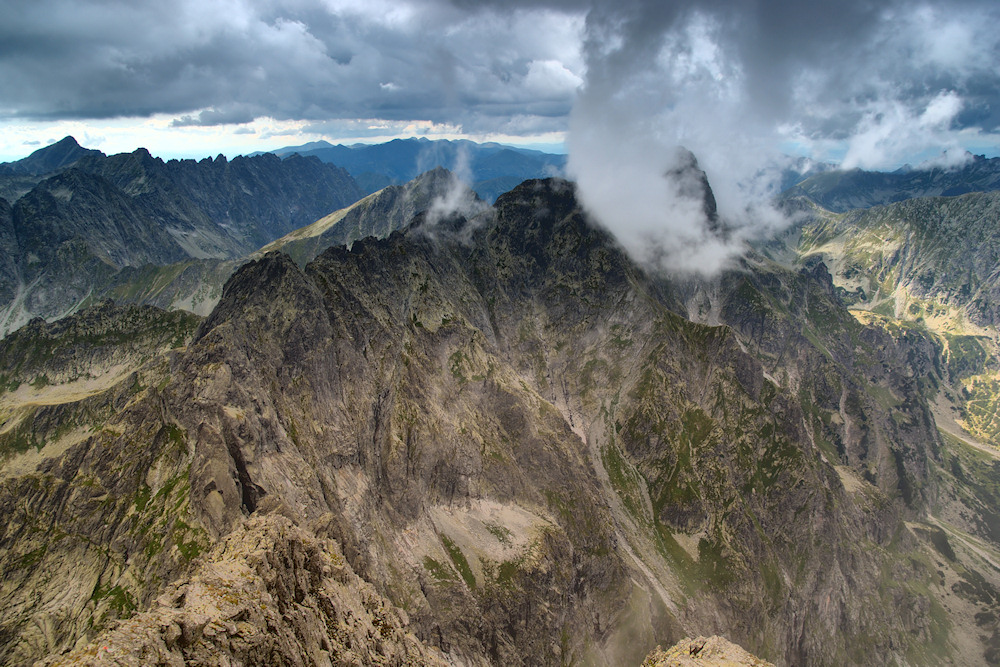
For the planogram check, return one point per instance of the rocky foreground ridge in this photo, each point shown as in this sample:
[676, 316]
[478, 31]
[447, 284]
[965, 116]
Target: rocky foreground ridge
[531, 450]
[703, 652]
[268, 594]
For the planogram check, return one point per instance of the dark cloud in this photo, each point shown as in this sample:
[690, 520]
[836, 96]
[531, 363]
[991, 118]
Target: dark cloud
[478, 64]
[229, 62]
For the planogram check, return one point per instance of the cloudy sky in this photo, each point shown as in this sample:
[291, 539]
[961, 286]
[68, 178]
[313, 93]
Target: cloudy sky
[741, 83]
[870, 83]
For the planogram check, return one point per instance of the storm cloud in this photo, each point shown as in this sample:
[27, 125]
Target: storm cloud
[231, 61]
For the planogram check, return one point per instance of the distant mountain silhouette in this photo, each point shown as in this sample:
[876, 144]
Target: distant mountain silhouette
[491, 168]
[842, 190]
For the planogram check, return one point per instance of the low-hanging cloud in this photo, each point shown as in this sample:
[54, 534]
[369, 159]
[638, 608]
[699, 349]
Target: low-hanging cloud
[458, 202]
[742, 84]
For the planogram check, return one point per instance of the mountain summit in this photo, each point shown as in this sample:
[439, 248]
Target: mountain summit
[84, 218]
[60, 155]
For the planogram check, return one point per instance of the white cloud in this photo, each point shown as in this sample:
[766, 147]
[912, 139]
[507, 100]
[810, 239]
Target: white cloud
[892, 131]
[549, 79]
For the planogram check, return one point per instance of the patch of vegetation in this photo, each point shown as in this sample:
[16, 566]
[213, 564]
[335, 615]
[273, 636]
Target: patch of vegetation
[626, 481]
[118, 598]
[618, 342]
[8, 383]
[502, 533]
[153, 546]
[715, 566]
[142, 497]
[21, 438]
[189, 548]
[32, 558]
[966, 356]
[461, 564]
[507, 570]
[169, 486]
[561, 505]
[691, 577]
[455, 366]
[438, 571]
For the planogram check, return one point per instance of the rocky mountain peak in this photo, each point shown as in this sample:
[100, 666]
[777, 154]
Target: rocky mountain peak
[62, 154]
[692, 183]
[512, 433]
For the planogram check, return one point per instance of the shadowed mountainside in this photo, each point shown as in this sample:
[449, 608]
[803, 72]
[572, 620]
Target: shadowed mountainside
[65, 240]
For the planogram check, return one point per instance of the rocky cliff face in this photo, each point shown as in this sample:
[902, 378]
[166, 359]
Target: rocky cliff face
[515, 435]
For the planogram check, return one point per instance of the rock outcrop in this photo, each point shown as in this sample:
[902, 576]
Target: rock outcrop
[270, 593]
[703, 652]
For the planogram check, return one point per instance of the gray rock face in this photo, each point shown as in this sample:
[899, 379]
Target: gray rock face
[512, 433]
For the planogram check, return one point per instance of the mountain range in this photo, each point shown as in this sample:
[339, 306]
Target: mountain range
[490, 169]
[842, 190]
[427, 429]
[77, 218]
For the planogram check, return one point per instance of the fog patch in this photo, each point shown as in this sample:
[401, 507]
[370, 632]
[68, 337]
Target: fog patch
[740, 85]
[625, 152]
[457, 211]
